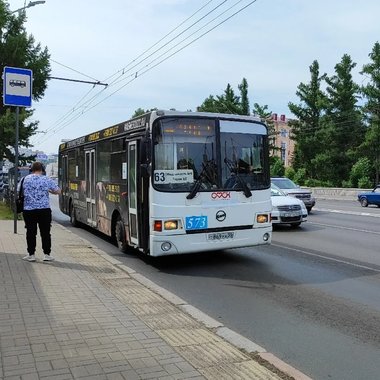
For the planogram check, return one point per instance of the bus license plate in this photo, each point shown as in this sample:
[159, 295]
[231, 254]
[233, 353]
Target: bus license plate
[217, 236]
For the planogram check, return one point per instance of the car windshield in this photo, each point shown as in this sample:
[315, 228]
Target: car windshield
[275, 191]
[186, 157]
[284, 183]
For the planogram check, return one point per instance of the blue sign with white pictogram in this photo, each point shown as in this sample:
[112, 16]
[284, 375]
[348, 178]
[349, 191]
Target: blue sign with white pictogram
[42, 156]
[17, 87]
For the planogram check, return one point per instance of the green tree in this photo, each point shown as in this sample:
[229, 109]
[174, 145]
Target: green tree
[244, 101]
[208, 105]
[18, 49]
[371, 91]
[306, 128]
[361, 169]
[228, 102]
[343, 128]
[266, 116]
[277, 168]
[140, 111]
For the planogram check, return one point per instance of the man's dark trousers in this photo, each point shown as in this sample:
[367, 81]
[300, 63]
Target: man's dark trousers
[42, 219]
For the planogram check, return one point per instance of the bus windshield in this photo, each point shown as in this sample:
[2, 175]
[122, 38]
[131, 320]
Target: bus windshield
[187, 155]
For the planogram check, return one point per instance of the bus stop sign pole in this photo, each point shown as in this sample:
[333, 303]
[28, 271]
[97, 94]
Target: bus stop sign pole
[17, 85]
[15, 216]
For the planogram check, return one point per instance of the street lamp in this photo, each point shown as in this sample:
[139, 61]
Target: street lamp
[31, 4]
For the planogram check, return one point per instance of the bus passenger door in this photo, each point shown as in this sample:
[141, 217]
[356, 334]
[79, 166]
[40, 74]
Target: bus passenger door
[132, 192]
[64, 184]
[90, 186]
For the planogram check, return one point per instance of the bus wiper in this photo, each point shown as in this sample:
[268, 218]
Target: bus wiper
[242, 183]
[204, 175]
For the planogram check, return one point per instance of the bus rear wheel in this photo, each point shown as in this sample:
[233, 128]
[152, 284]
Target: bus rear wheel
[120, 235]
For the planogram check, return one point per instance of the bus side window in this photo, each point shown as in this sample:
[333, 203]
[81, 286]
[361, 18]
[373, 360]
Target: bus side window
[117, 160]
[72, 164]
[103, 163]
[118, 157]
[81, 164]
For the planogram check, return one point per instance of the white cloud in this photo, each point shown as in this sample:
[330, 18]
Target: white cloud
[272, 43]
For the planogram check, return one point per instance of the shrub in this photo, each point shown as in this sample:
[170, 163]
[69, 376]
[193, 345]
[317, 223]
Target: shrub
[311, 182]
[365, 183]
[360, 170]
[300, 176]
[347, 184]
[290, 173]
[277, 168]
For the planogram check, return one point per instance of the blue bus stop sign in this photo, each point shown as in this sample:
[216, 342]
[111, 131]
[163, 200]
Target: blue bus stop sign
[17, 87]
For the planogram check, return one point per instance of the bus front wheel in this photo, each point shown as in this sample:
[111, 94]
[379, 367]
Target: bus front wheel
[120, 235]
[73, 218]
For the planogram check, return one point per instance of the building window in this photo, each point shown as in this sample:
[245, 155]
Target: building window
[283, 132]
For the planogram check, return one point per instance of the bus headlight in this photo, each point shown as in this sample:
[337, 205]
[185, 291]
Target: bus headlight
[171, 225]
[167, 225]
[262, 218]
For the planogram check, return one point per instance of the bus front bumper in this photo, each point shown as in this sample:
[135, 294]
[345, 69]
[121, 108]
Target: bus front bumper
[162, 245]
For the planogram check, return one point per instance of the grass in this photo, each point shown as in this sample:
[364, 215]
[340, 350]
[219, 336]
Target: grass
[5, 211]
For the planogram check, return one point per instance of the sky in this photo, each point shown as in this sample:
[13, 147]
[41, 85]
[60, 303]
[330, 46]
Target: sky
[139, 49]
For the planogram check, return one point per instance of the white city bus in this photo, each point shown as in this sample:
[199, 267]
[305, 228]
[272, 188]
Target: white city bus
[171, 182]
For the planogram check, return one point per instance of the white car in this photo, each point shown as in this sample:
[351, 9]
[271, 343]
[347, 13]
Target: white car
[287, 209]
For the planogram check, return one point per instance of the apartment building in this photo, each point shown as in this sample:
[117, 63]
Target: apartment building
[282, 139]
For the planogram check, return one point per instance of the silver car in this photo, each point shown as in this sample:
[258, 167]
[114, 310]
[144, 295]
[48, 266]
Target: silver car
[286, 209]
[289, 187]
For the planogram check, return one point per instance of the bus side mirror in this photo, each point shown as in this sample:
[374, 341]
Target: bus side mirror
[146, 170]
[146, 146]
[146, 157]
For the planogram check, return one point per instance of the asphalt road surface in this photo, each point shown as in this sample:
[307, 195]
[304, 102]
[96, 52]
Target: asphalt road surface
[312, 297]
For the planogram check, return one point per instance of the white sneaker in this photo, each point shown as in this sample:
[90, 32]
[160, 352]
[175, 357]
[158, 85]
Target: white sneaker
[29, 258]
[48, 258]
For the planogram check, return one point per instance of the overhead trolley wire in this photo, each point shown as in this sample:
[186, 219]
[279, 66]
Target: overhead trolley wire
[87, 104]
[147, 69]
[177, 51]
[81, 102]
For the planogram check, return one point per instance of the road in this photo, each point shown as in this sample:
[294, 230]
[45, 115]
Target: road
[312, 297]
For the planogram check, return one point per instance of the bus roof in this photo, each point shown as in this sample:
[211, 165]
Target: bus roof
[139, 123]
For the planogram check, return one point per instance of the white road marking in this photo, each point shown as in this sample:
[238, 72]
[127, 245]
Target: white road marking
[347, 212]
[327, 258]
[345, 228]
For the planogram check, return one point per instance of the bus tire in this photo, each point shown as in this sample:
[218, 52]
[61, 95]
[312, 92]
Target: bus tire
[120, 235]
[73, 218]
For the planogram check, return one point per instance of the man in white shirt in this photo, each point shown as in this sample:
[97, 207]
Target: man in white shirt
[37, 211]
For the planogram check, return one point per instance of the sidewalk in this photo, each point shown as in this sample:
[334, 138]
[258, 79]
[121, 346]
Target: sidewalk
[87, 316]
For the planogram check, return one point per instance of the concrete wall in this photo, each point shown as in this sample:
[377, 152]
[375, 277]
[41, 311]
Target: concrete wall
[336, 193]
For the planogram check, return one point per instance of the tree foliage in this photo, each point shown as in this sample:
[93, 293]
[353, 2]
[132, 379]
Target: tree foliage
[266, 116]
[18, 49]
[330, 132]
[343, 127]
[140, 111]
[306, 128]
[370, 147]
[244, 101]
[228, 102]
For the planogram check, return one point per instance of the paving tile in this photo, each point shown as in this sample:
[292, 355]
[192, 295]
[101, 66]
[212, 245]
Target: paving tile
[82, 317]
